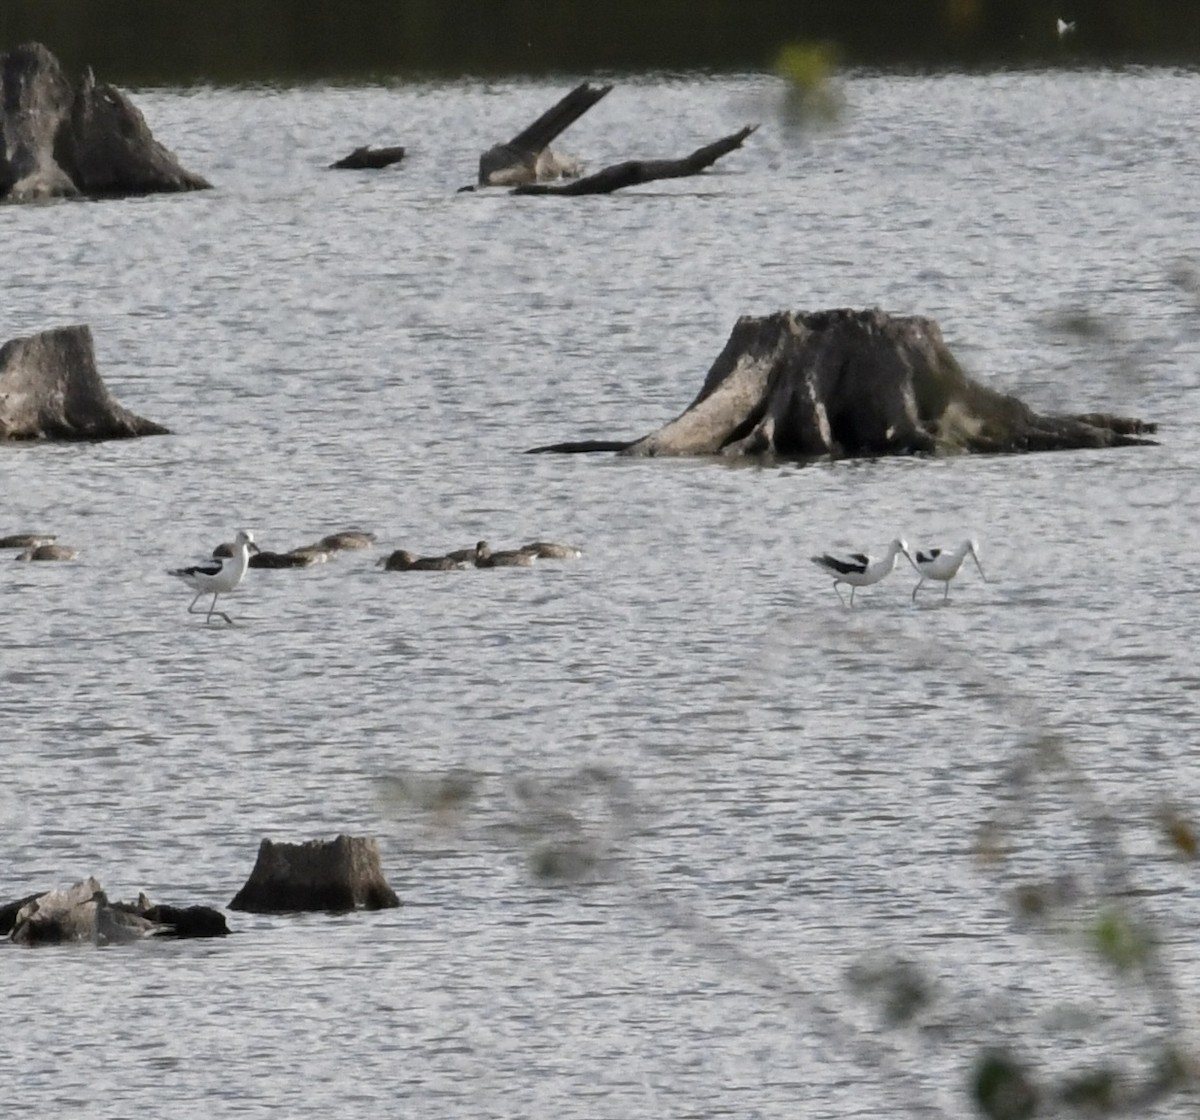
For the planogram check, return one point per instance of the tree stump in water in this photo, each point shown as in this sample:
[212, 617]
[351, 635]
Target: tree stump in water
[50, 389]
[79, 913]
[369, 159]
[338, 875]
[527, 157]
[847, 383]
[58, 141]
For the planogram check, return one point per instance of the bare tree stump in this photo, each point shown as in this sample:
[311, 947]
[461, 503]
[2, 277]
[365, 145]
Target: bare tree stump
[338, 875]
[58, 141]
[369, 159]
[50, 389]
[844, 383]
[527, 157]
[79, 913]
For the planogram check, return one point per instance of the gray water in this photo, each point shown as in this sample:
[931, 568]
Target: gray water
[759, 789]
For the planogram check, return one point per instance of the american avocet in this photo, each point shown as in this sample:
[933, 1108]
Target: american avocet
[219, 576]
[508, 558]
[403, 561]
[857, 569]
[548, 550]
[1065, 28]
[942, 564]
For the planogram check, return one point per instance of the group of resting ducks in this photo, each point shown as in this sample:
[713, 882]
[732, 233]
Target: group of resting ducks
[857, 569]
[38, 546]
[401, 560]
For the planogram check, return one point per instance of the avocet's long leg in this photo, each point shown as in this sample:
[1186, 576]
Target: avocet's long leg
[946, 593]
[213, 610]
[852, 591]
[199, 596]
[917, 588]
[839, 594]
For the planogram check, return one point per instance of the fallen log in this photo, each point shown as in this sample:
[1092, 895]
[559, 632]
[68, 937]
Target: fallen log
[50, 389]
[845, 383]
[637, 171]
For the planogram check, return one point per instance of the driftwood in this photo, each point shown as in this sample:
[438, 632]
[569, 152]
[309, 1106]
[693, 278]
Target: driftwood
[50, 389]
[633, 172]
[60, 141]
[83, 913]
[836, 384]
[368, 158]
[338, 875]
[527, 157]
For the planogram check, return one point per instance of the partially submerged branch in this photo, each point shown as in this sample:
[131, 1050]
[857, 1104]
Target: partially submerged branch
[637, 171]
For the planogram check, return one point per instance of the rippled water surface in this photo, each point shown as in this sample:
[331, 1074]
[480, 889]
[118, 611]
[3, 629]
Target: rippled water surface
[761, 788]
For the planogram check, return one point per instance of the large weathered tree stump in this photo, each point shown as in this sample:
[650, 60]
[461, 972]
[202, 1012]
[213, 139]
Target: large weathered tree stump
[340, 874]
[50, 389]
[60, 141]
[846, 383]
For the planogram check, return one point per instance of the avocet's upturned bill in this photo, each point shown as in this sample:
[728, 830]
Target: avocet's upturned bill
[218, 576]
[857, 569]
[941, 564]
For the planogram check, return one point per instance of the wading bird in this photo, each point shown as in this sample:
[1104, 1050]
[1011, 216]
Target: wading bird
[857, 569]
[218, 576]
[940, 564]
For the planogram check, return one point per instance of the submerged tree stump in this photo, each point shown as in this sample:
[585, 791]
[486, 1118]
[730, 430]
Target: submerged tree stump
[83, 913]
[847, 383]
[50, 389]
[369, 159]
[60, 141]
[340, 874]
[80, 913]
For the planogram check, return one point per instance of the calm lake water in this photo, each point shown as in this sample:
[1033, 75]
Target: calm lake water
[763, 789]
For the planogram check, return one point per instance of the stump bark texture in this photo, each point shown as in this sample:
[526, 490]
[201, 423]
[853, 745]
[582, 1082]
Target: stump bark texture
[50, 389]
[801, 385]
[58, 140]
[337, 875]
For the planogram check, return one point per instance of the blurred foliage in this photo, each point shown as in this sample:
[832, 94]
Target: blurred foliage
[1002, 1087]
[811, 97]
[228, 41]
[1121, 940]
[900, 987]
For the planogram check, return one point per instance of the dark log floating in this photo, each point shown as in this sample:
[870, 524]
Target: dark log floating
[59, 141]
[635, 171]
[845, 383]
[369, 159]
[50, 389]
[83, 913]
[527, 157]
[337, 875]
